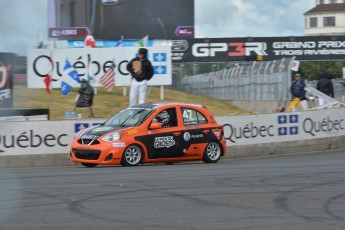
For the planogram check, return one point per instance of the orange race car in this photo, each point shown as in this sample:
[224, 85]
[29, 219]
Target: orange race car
[151, 132]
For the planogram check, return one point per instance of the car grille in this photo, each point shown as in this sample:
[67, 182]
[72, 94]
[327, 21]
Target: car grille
[87, 154]
[88, 142]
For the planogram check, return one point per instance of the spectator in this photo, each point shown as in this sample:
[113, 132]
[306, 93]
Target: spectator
[141, 71]
[298, 91]
[325, 85]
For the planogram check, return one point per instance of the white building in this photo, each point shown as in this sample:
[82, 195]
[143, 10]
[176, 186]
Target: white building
[326, 18]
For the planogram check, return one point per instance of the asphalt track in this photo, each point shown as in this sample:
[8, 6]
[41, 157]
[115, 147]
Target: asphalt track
[305, 191]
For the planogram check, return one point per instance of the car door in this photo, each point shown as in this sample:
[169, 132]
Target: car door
[198, 132]
[164, 142]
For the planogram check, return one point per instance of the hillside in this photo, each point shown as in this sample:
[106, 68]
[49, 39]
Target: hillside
[108, 103]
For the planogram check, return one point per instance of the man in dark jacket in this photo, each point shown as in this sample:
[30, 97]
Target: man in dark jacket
[141, 71]
[297, 90]
[325, 85]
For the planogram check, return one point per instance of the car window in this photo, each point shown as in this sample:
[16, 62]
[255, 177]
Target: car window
[192, 117]
[167, 118]
[129, 117]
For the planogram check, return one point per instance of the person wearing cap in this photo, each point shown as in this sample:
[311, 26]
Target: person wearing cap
[141, 70]
[297, 91]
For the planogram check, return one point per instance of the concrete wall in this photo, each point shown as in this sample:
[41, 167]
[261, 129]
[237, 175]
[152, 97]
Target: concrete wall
[233, 152]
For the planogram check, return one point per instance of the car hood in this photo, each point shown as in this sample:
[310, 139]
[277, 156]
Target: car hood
[99, 131]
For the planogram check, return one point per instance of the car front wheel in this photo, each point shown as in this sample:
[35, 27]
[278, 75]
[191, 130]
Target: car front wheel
[132, 156]
[212, 153]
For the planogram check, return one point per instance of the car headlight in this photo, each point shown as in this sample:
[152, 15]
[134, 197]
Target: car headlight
[115, 136]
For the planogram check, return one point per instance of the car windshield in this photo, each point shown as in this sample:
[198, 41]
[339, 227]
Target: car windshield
[129, 117]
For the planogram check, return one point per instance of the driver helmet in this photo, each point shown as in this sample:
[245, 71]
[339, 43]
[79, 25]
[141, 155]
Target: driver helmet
[163, 118]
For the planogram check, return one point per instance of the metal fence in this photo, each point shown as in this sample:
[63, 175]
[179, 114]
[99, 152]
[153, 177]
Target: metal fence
[258, 80]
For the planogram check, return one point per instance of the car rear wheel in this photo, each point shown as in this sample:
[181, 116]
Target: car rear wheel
[89, 165]
[212, 153]
[132, 155]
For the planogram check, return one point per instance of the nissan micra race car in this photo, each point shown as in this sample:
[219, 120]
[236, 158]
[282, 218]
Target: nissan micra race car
[149, 133]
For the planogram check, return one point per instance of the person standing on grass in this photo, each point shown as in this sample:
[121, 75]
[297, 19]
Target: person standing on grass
[141, 71]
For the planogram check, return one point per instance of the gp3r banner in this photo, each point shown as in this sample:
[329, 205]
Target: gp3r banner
[95, 62]
[280, 127]
[6, 80]
[267, 48]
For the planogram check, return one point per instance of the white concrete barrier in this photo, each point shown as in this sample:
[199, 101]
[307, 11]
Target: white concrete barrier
[47, 143]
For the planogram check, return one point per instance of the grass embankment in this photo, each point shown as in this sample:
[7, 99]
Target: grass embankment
[107, 104]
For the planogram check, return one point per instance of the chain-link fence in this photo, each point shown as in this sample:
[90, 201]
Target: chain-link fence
[258, 80]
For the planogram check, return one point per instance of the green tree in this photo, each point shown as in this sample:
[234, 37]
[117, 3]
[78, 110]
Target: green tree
[313, 70]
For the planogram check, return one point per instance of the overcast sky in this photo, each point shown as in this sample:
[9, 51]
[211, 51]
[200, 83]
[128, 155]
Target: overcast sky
[22, 20]
[254, 18]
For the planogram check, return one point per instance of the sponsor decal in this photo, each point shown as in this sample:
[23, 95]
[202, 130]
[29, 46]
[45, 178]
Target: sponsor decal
[159, 57]
[132, 131]
[217, 133]
[161, 69]
[39, 64]
[197, 136]
[327, 125]
[289, 126]
[159, 63]
[258, 48]
[240, 49]
[164, 142]
[102, 129]
[119, 144]
[248, 131]
[80, 126]
[192, 126]
[206, 131]
[88, 136]
[186, 136]
[30, 139]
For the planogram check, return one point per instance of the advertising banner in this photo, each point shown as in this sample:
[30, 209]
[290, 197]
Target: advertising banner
[261, 48]
[110, 20]
[279, 127]
[18, 138]
[6, 80]
[45, 137]
[95, 62]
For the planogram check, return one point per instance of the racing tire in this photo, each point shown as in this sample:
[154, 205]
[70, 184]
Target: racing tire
[89, 165]
[132, 155]
[212, 153]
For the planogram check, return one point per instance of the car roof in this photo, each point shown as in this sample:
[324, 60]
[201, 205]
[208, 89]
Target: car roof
[155, 105]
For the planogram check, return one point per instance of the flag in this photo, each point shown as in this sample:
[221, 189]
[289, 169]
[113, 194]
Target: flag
[48, 82]
[90, 77]
[48, 79]
[70, 78]
[295, 65]
[89, 41]
[108, 79]
[143, 41]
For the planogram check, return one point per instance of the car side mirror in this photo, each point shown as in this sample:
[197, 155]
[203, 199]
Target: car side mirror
[155, 125]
